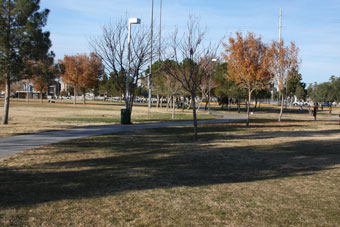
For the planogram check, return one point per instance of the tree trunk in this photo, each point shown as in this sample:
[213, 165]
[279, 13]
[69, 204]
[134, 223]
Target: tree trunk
[330, 109]
[75, 93]
[207, 102]
[27, 97]
[173, 107]
[254, 109]
[6, 105]
[282, 103]
[167, 102]
[157, 104]
[161, 101]
[229, 102]
[190, 102]
[183, 104]
[84, 98]
[199, 105]
[291, 101]
[248, 108]
[41, 96]
[193, 96]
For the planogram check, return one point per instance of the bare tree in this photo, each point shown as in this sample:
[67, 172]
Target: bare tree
[191, 60]
[208, 83]
[282, 61]
[112, 47]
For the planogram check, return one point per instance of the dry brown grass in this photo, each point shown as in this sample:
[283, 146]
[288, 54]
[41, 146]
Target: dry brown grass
[271, 174]
[36, 117]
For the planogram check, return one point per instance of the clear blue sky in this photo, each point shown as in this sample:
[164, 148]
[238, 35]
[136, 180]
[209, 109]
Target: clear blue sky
[314, 25]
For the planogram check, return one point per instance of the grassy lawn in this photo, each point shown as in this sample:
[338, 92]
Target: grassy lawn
[270, 174]
[35, 117]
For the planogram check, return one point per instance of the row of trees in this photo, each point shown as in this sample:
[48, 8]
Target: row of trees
[251, 65]
[327, 92]
[82, 72]
[25, 53]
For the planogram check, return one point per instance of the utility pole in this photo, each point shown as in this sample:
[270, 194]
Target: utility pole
[280, 25]
[150, 73]
[160, 31]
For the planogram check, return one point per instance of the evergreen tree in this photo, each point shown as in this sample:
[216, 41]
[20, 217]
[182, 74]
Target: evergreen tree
[21, 39]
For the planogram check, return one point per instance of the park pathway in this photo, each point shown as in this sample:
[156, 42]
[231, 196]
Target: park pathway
[15, 144]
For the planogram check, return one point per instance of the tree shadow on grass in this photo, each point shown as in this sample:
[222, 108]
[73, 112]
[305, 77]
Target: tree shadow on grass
[152, 159]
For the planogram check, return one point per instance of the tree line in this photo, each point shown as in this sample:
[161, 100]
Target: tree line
[189, 65]
[326, 92]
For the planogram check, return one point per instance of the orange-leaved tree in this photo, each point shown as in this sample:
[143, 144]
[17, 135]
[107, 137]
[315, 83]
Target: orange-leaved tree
[93, 70]
[82, 72]
[247, 64]
[43, 72]
[283, 59]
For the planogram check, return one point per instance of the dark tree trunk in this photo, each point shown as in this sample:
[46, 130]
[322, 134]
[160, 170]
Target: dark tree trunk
[41, 96]
[193, 96]
[27, 97]
[75, 94]
[207, 102]
[6, 105]
[248, 107]
[157, 104]
[254, 109]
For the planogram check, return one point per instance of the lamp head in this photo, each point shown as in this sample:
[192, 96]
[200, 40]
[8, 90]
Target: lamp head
[134, 21]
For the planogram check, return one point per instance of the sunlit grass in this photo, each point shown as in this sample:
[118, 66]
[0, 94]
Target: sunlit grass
[35, 116]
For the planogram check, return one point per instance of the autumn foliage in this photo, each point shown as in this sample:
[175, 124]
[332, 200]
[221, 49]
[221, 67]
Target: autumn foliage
[43, 72]
[247, 63]
[82, 72]
[283, 60]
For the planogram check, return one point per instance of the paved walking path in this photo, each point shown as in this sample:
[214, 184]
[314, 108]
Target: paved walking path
[15, 144]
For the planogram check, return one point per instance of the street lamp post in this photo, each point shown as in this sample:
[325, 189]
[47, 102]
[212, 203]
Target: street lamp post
[212, 60]
[127, 95]
[151, 53]
[131, 21]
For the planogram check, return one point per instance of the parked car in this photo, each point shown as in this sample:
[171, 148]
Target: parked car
[298, 103]
[325, 104]
[301, 103]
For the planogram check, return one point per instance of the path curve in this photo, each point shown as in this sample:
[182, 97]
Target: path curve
[16, 144]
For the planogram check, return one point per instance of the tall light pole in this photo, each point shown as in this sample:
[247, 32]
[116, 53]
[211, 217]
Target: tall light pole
[150, 73]
[160, 31]
[211, 74]
[127, 106]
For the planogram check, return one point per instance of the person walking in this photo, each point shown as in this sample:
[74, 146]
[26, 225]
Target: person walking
[315, 110]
